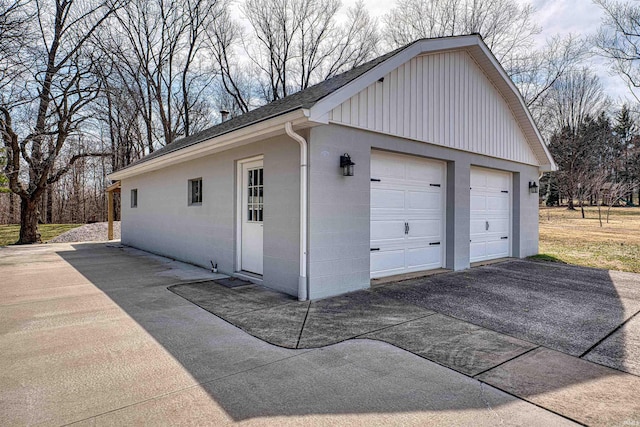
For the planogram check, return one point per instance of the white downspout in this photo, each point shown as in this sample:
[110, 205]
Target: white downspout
[303, 291]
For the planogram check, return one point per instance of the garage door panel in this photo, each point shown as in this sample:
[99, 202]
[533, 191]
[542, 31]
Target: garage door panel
[385, 167]
[388, 260]
[387, 230]
[478, 203]
[424, 200]
[497, 249]
[424, 257]
[477, 250]
[387, 199]
[498, 181]
[497, 204]
[478, 226]
[416, 171]
[498, 225]
[478, 179]
[425, 229]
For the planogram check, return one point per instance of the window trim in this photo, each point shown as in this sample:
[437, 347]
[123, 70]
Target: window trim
[134, 198]
[190, 201]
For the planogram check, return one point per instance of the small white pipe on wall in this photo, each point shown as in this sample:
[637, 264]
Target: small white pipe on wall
[303, 286]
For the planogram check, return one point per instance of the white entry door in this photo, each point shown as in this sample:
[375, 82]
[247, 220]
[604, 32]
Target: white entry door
[252, 196]
[407, 214]
[490, 214]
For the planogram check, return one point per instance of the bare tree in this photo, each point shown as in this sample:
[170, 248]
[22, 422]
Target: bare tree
[36, 129]
[300, 42]
[158, 55]
[200, 15]
[536, 73]
[224, 40]
[574, 96]
[619, 39]
[14, 15]
[506, 27]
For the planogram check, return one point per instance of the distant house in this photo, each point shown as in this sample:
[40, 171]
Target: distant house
[445, 153]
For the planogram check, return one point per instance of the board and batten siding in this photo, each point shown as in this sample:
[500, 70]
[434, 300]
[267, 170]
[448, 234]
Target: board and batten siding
[443, 99]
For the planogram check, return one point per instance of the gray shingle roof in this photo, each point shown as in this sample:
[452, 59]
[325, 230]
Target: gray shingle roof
[304, 99]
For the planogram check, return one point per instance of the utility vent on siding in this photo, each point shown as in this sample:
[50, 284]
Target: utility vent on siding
[443, 99]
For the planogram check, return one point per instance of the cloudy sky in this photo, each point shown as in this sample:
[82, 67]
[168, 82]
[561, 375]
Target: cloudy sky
[580, 17]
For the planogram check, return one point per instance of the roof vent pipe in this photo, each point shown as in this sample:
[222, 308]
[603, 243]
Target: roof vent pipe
[303, 285]
[224, 114]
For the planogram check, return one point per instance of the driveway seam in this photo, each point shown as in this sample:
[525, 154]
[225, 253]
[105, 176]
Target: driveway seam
[506, 361]
[304, 322]
[529, 401]
[609, 334]
[390, 326]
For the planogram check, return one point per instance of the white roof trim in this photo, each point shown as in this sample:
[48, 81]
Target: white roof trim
[474, 45]
[260, 130]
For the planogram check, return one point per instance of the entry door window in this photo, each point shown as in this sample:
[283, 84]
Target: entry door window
[255, 202]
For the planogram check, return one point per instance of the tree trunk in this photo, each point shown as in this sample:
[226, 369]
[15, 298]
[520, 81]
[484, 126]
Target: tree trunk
[29, 215]
[49, 210]
[12, 208]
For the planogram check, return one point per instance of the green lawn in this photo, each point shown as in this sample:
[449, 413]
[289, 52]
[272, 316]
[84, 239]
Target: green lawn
[566, 237]
[9, 233]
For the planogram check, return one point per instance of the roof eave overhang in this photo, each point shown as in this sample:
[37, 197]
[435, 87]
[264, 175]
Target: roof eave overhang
[265, 129]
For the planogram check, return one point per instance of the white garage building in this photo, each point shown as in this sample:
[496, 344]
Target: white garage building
[445, 154]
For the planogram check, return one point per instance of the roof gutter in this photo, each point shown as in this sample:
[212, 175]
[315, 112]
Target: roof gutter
[252, 133]
[303, 284]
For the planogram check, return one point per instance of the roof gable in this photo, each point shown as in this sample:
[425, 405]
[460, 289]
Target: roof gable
[441, 98]
[460, 60]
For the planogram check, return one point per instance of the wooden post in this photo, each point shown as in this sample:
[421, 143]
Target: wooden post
[110, 214]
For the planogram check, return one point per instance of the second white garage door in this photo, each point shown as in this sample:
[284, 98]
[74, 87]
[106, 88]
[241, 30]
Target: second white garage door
[407, 214]
[490, 214]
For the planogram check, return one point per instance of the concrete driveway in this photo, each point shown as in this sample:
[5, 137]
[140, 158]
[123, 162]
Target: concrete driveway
[90, 334]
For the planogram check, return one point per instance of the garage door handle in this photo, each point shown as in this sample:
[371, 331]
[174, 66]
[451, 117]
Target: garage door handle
[435, 185]
[406, 228]
[375, 180]
[504, 237]
[374, 249]
[486, 225]
[434, 243]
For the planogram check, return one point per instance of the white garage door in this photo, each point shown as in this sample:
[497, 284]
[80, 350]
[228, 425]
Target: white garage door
[407, 214]
[490, 214]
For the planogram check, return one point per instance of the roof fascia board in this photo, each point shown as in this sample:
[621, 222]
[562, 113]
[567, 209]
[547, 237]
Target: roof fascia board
[485, 50]
[216, 144]
[320, 111]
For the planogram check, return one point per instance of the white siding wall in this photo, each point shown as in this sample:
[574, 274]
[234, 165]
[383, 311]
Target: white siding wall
[442, 99]
[165, 223]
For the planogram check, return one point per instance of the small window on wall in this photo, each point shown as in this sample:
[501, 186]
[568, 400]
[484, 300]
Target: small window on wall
[195, 191]
[134, 198]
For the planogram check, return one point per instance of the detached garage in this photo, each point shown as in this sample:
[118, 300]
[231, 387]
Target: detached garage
[418, 160]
